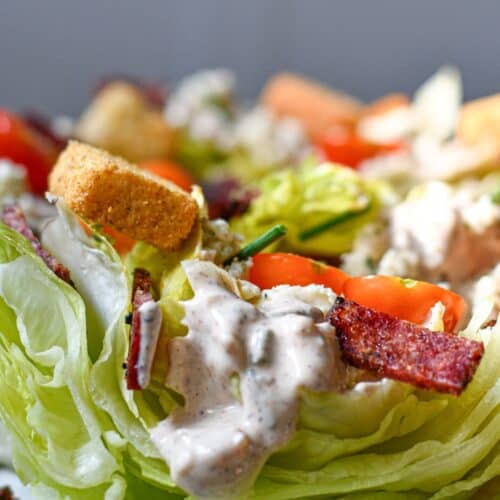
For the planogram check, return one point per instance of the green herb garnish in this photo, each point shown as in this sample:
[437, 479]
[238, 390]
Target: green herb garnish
[332, 222]
[259, 244]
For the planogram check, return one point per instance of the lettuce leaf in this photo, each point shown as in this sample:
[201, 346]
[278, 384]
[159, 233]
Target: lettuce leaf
[5, 450]
[106, 290]
[96, 271]
[310, 195]
[46, 404]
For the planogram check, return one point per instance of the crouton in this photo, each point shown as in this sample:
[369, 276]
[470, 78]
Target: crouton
[316, 107]
[479, 121]
[108, 190]
[122, 121]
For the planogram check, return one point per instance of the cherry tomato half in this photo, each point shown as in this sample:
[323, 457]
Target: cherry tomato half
[345, 146]
[171, 172]
[272, 269]
[27, 148]
[405, 299]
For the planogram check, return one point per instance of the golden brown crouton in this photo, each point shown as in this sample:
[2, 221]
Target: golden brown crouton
[316, 107]
[121, 121]
[108, 190]
[479, 121]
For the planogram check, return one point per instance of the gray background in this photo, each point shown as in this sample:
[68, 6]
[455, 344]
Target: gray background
[53, 51]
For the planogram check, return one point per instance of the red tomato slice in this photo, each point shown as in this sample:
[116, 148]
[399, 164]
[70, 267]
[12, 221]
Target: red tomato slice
[345, 146]
[25, 147]
[405, 299]
[272, 269]
[171, 172]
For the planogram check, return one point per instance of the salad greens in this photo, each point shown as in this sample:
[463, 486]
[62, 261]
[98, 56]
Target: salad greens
[78, 433]
[45, 370]
[308, 198]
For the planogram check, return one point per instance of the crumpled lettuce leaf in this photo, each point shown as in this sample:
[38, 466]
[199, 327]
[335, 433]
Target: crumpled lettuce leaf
[46, 404]
[307, 196]
[5, 449]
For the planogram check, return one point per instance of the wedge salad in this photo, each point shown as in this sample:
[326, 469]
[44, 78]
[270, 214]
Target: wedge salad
[200, 298]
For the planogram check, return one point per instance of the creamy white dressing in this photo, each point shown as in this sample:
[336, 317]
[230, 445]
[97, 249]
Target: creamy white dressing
[241, 368]
[150, 325]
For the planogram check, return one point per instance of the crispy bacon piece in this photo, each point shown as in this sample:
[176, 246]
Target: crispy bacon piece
[13, 216]
[141, 293]
[404, 351]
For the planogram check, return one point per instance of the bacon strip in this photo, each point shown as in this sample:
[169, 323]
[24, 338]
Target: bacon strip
[141, 293]
[13, 216]
[404, 351]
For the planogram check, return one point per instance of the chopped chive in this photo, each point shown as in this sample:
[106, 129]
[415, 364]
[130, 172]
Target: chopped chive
[259, 244]
[332, 222]
[495, 197]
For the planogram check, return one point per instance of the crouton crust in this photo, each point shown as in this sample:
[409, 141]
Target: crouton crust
[108, 190]
[479, 121]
